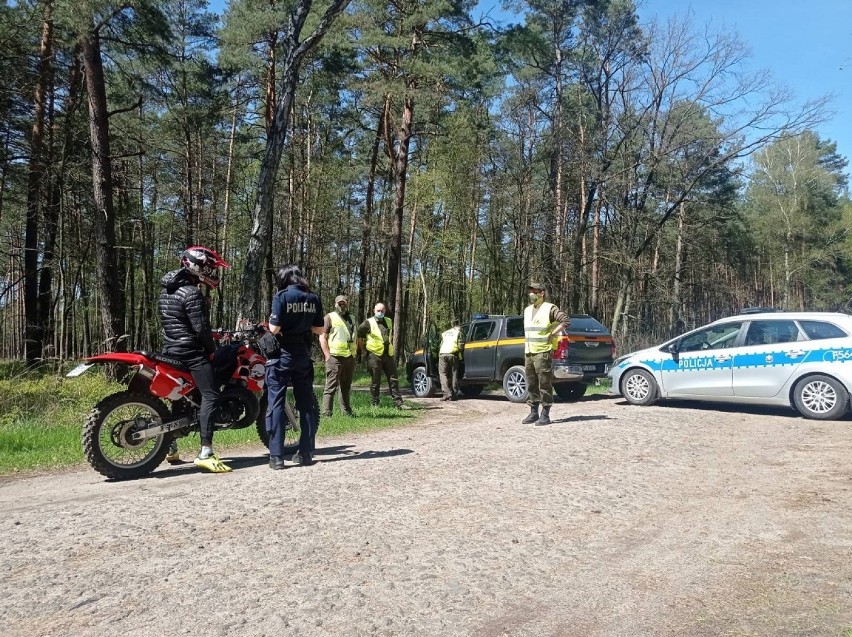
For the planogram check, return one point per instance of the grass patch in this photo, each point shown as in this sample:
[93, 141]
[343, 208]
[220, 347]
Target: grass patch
[600, 386]
[361, 377]
[42, 415]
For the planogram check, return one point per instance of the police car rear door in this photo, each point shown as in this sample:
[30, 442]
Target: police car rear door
[702, 363]
[772, 351]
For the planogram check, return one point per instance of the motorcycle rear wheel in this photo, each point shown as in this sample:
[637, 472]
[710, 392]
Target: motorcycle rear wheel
[292, 432]
[106, 439]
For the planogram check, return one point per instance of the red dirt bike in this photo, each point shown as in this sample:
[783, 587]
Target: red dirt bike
[127, 434]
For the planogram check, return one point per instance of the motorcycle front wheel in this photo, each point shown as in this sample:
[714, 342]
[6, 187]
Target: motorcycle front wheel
[108, 436]
[292, 431]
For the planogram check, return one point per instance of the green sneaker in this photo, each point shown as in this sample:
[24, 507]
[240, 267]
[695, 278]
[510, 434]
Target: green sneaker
[211, 464]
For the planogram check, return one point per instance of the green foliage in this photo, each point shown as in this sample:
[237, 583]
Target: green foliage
[794, 204]
[637, 121]
[42, 415]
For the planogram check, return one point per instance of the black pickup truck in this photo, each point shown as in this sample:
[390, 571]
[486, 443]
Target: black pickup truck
[494, 352]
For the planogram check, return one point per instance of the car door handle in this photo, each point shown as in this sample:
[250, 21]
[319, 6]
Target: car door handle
[795, 353]
[722, 358]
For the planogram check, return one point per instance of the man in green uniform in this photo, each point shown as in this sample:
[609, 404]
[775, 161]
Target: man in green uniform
[377, 331]
[543, 323]
[338, 349]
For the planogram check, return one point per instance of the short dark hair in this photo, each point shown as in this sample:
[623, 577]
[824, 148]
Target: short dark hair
[290, 275]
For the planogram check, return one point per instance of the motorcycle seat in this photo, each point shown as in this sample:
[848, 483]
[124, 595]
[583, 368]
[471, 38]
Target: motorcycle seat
[162, 358]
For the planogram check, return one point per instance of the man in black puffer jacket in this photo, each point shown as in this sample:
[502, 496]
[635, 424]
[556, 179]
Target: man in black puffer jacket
[184, 312]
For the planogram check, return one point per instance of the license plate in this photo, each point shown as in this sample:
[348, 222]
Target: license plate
[589, 368]
[79, 370]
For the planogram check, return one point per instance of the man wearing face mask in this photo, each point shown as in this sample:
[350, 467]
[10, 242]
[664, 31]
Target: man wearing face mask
[338, 348]
[378, 332]
[542, 322]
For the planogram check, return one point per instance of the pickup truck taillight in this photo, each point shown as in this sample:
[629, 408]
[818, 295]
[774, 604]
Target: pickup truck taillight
[612, 349]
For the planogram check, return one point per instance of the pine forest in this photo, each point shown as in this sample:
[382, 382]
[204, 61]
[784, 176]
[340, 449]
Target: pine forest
[421, 153]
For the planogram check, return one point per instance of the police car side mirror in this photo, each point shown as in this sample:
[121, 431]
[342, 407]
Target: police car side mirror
[672, 348]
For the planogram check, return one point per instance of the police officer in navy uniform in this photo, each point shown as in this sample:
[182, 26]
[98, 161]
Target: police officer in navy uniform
[296, 315]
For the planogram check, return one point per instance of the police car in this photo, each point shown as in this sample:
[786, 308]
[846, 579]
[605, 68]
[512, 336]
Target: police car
[798, 359]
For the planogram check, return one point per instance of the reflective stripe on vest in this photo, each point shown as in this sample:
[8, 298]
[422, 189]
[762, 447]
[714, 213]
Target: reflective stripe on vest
[450, 341]
[375, 343]
[537, 328]
[339, 337]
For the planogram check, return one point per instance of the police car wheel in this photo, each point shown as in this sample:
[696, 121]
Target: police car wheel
[422, 384]
[639, 387]
[821, 398]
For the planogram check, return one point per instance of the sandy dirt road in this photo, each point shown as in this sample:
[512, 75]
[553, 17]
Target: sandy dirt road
[614, 520]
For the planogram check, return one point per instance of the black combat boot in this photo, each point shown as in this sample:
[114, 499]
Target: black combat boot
[533, 415]
[544, 419]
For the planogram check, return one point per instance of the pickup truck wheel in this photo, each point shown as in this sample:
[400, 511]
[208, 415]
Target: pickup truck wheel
[422, 384]
[570, 391]
[515, 384]
[472, 391]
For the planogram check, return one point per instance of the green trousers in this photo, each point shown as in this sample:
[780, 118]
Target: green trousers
[539, 369]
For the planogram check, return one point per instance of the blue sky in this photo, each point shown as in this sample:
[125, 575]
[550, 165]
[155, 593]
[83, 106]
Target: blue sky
[806, 45]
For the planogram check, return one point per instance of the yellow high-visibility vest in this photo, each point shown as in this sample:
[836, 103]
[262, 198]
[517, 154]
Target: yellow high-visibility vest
[340, 337]
[450, 341]
[537, 327]
[375, 344]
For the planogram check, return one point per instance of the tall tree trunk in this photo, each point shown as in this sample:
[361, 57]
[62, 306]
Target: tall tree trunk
[189, 213]
[400, 172]
[596, 266]
[53, 216]
[559, 168]
[226, 215]
[622, 300]
[675, 316]
[369, 201]
[262, 216]
[111, 311]
[33, 330]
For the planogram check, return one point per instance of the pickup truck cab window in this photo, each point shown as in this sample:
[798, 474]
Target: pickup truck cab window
[515, 328]
[482, 331]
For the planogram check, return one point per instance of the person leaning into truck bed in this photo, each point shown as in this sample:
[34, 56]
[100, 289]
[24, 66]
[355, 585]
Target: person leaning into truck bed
[543, 321]
[449, 355]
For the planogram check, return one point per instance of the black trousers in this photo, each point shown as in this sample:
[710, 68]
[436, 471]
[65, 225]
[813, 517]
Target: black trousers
[202, 374]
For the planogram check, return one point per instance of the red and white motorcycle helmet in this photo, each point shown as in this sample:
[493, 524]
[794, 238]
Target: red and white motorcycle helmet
[203, 263]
